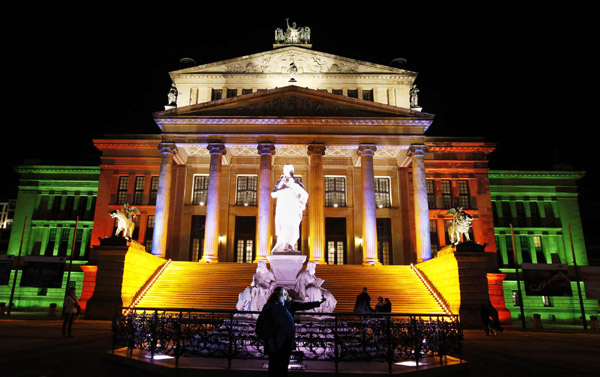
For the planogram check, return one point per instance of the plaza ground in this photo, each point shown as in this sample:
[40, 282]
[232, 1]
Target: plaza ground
[32, 345]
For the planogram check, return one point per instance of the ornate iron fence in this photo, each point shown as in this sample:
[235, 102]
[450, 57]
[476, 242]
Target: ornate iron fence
[337, 337]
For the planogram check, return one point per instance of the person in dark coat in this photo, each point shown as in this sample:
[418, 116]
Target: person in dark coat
[387, 305]
[379, 307]
[279, 347]
[363, 303]
[486, 319]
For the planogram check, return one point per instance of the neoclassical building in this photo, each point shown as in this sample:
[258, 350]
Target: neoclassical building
[379, 188]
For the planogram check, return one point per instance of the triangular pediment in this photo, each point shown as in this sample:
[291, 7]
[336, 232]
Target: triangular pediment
[306, 60]
[292, 101]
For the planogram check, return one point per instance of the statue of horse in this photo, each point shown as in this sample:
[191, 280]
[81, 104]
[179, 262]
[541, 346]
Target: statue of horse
[125, 222]
[461, 222]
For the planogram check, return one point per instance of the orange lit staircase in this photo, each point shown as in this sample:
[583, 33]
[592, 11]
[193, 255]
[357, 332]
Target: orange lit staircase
[216, 286]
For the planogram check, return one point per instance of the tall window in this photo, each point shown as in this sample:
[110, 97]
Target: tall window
[335, 238]
[122, 190]
[520, 213]
[525, 253]
[446, 194]
[138, 193]
[430, 185]
[506, 214]
[384, 240]
[535, 214]
[63, 248]
[464, 197]
[510, 255]
[51, 242]
[245, 235]
[200, 190]
[153, 190]
[149, 233]
[368, 95]
[382, 192]
[435, 240]
[335, 191]
[216, 94]
[539, 249]
[246, 190]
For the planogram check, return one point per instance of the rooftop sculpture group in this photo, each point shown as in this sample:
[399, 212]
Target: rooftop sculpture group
[293, 34]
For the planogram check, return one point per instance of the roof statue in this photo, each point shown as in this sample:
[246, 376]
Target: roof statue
[292, 35]
[172, 97]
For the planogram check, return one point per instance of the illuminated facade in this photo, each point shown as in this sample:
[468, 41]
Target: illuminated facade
[543, 210]
[378, 187]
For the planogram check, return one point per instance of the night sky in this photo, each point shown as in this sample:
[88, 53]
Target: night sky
[511, 75]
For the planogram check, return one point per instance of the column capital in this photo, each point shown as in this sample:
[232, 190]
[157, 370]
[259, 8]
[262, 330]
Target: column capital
[216, 148]
[266, 149]
[167, 148]
[366, 149]
[417, 150]
[316, 149]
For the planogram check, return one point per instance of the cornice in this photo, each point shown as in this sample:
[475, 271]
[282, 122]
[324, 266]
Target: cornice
[41, 169]
[294, 121]
[539, 174]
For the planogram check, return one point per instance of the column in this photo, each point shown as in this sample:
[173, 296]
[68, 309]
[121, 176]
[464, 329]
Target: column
[366, 152]
[263, 228]
[211, 234]
[316, 204]
[163, 198]
[417, 153]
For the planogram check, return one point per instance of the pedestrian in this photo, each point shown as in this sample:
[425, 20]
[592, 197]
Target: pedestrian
[363, 303]
[282, 341]
[379, 307]
[71, 309]
[486, 320]
[387, 305]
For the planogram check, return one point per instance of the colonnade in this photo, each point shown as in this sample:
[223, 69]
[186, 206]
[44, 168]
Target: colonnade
[316, 192]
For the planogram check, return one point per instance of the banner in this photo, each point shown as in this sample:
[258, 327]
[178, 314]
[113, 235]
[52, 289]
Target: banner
[43, 272]
[591, 281]
[546, 279]
[6, 263]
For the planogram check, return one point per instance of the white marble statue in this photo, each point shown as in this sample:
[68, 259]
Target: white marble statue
[308, 288]
[291, 201]
[461, 222]
[254, 297]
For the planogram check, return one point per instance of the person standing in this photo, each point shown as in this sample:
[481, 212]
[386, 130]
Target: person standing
[387, 305]
[363, 303]
[282, 342]
[70, 310]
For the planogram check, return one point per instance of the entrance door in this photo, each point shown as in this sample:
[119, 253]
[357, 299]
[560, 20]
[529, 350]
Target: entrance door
[197, 238]
[335, 239]
[384, 241]
[245, 235]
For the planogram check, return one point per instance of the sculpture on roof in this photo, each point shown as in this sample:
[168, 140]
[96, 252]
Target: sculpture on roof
[172, 96]
[414, 97]
[293, 34]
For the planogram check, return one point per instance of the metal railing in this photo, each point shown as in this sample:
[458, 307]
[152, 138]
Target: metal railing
[336, 337]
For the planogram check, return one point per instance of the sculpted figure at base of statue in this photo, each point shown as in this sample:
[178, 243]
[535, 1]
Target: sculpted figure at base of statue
[254, 297]
[461, 222]
[308, 288]
[291, 201]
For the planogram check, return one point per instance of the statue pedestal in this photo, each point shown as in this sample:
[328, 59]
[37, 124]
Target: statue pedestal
[286, 268]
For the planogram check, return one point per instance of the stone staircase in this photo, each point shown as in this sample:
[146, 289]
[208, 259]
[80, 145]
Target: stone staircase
[216, 286]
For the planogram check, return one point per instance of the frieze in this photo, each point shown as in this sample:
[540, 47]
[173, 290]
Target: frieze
[304, 121]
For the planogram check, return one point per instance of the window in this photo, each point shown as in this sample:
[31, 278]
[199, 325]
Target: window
[337, 91]
[384, 240]
[368, 95]
[149, 233]
[547, 301]
[200, 190]
[335, 252]
[153, 190]
[430, 185]
[216, 94]
[51, 242]
[516, 298]
[138, 193]
[246, 190]
[64, 242]
[495, 214]
[435, 240]
[535, 214]
[464, 197]
[539, 249]
[245, 234]
[510, 254]
[446, 194]
[335, 239]
[520, 213]
[231, 93]
[353, 93]
[382, 192]
[246, 91]
[335, 191]
[506, 215]
[122, 190]
[525, 254]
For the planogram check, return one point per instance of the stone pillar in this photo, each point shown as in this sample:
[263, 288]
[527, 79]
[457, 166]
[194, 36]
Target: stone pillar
[211, 235]
[366, 152]
[316, 204]
[163, 199]
[263, 229]
[417, 152]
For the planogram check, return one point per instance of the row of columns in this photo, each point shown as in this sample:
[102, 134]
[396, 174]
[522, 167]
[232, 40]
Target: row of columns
[316, 199]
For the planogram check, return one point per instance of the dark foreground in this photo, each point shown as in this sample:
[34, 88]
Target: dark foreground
[32, 346]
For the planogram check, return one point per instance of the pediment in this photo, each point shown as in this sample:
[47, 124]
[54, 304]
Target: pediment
[278, 61]
[292, 101]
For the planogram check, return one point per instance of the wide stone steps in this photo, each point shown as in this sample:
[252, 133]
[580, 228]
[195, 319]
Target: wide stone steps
[216, 286]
